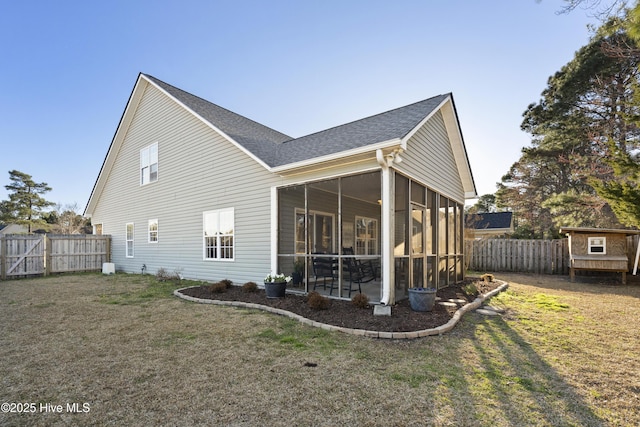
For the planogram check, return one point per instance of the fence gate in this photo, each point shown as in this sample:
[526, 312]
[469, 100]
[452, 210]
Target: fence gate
[22, 255]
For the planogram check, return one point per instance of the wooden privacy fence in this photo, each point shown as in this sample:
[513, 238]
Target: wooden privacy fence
[32, 255]
[527, 256]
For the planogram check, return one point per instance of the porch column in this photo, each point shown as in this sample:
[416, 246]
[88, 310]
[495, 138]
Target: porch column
[274, 230]
[387, 220]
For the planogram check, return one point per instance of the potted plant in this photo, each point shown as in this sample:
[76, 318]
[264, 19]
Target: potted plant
[422, 299]
[298, 271]
[275, 285]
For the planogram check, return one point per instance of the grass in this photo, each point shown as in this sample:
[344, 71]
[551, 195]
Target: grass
[563, 354]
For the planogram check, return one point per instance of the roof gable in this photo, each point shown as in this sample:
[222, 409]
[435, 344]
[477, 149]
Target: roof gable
[258, 139]
[391, 125]
[279, 152]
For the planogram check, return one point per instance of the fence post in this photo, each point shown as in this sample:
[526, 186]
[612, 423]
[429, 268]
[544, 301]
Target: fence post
[108, 248]
[47, 255]
[3, 258]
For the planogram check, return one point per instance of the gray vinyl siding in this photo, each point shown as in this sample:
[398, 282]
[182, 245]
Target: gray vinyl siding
[429, 158]
[198, 171]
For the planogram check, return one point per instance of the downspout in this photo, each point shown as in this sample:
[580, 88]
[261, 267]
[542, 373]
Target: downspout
[635, 265]
[385, 161]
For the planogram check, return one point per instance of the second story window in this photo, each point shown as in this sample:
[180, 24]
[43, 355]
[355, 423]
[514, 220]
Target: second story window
[149, 164]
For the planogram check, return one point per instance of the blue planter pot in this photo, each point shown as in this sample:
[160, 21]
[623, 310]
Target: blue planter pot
[422, 299]
[275, 289]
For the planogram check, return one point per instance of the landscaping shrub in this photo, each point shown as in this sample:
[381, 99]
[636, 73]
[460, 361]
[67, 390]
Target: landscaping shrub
[228, 283]
[360, 301]
[470, 289]
[487, 277]
[164, 276]
[317, 301]
[249, 287]
[218, 287]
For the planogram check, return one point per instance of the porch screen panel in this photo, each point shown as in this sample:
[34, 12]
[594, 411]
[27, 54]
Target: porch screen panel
[417, 193]
[401, 235]
[291, 231]
[322, 199]
[401, 208]
[321, 223]
[432, 237]
[443, 272]
[451, 227]
[361, 234]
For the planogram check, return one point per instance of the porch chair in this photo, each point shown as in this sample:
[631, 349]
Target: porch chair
[356, 271]
[324, 268]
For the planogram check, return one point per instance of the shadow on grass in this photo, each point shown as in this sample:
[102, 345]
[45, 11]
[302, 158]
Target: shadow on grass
[523, 386]
[604, 284]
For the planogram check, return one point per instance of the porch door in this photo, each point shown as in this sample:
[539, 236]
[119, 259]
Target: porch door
[417, 253]
[321, 235]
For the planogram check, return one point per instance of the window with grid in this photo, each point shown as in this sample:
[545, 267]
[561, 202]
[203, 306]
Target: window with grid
[366, 236]
[153, 231]
[129, 239]
[218, 228]
[149, 164]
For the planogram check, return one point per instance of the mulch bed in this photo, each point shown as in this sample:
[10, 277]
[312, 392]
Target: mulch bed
[343, 313]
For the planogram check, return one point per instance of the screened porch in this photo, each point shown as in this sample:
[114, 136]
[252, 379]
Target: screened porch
[330, 236]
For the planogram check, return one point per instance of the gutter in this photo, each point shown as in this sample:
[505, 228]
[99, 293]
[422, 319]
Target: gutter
[392, 143]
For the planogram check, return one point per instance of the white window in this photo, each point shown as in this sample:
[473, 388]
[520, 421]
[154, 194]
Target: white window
[129, 248]
[218, 229]
[153, 231]
[321, 226]
[598, 245]
[366, 236]
[149, 164]
[97, 229]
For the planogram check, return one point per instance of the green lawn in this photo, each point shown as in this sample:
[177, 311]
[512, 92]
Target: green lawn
[563, 354]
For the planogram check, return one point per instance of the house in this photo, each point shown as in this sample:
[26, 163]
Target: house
[491, 224]
[12, 229]
[373, 206]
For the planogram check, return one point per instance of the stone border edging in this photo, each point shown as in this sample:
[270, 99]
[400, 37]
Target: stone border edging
[360, 332]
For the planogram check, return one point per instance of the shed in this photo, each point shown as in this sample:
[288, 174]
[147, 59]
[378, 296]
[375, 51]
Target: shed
[598, 249]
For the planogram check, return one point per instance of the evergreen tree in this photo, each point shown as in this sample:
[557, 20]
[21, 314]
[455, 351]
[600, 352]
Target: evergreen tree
[581, 129]
[623, 191]
[26, 204]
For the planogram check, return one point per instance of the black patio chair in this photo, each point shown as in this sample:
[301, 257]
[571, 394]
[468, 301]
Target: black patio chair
[356, 271]
[325, 268]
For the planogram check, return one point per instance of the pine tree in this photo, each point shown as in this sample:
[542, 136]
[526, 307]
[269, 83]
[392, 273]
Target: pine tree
[26, 204]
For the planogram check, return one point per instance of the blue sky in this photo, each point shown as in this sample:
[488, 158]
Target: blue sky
[68, 69]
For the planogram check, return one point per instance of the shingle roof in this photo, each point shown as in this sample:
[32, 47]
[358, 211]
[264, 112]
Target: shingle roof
[258, 139]
[379, 128]
[489, 221]
[278, 149]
